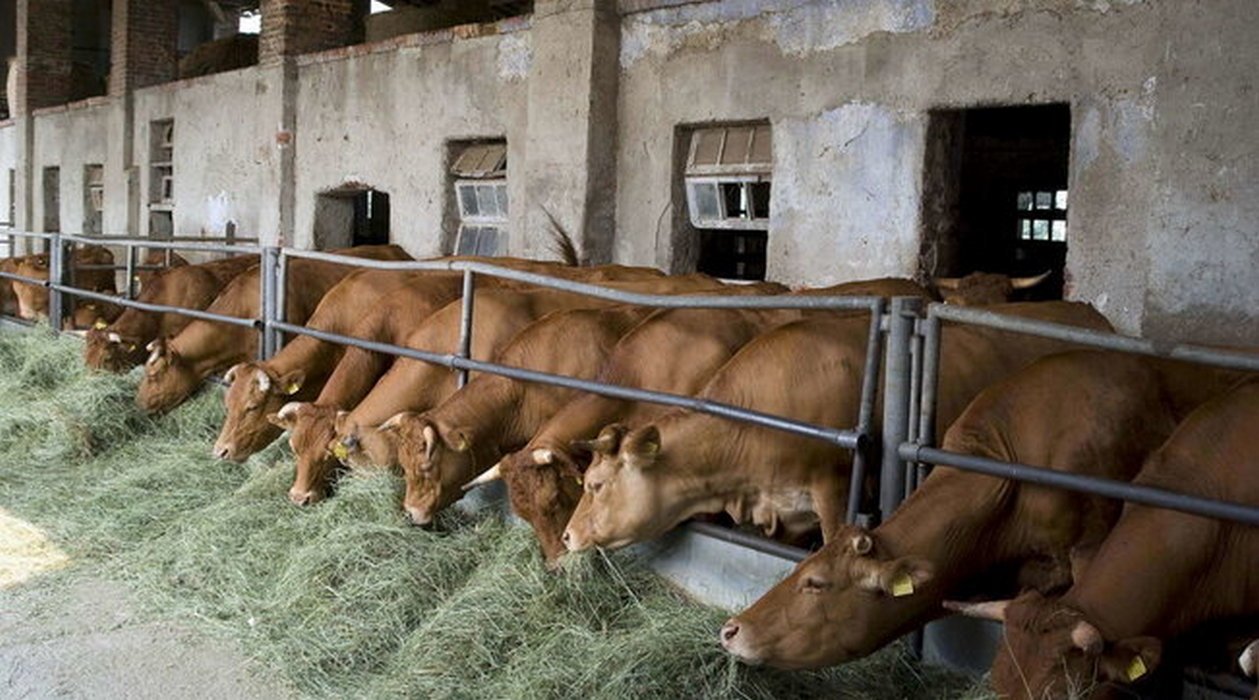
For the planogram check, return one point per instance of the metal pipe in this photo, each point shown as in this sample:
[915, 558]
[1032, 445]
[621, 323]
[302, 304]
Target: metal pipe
[915, 403]
[865, 414]
[282, 296]
[896, 402]
[465, 322]
[56, 275]
[130, 288]
[1109, 488]
[847, 439]
[1097, 339]
[270, 274]
[198, 245]
[623, 297]
[930, 328]
[145, 306]
[753, 542]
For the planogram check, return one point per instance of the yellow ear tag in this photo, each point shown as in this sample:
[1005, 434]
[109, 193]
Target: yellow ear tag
[340, 452]
[292, 389]
[1136, 669]
[902, 586]
[131, 348]
[100, 325]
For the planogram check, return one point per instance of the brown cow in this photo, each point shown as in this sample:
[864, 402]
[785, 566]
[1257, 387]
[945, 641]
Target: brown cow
[957, 532]
[983, 288]
[415, 385]
[646, 481]
[177, 365]
[121, 345]
[33, 300]
[675, 351]
[161, 259]
[1249, 663]
[1158, 574]
[298, 372]
[441, 449]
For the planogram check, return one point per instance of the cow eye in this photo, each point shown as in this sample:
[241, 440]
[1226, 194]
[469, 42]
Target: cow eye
[813, 584]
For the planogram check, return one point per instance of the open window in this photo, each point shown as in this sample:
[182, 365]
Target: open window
[352, 215]
[728, 189]
[479, 174]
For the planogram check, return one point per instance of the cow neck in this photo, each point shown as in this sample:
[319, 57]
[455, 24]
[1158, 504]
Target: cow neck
[486, 407]
[701, 477]
[204, 347]
[136, 326]
[313, 356]
[950, 521]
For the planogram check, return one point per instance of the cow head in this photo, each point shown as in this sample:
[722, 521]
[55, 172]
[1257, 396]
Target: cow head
[544, 486]
[983, 288]
[168, 380]
[843, 602]
[310, 429]
[625, 497]
[362, 447]
[254, 391]
[1053, 650]
[437, 460]
[32, 300]
[107, 350]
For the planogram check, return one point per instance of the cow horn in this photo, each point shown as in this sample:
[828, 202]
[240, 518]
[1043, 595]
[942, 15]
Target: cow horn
[542, 457]
[1249, 660]
[288, 410]
[1029, 282]
[947, 282]
[264, 381]
[430, 440]
[491, 474]
[230, 375]
[987, 610]
[1086, 637]
[114, 338]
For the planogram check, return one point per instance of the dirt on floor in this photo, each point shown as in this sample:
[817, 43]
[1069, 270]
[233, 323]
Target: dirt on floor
[83, 638]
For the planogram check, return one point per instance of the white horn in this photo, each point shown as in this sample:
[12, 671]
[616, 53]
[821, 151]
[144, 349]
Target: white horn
[230, 375]
[987, 610]
[114, 338]
[1029, 282]
[491, 474]
[288, 410]
[1249, 660]
[263, 380]
[541, 457]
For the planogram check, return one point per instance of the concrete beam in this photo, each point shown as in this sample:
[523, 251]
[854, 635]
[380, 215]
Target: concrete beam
[570, 172]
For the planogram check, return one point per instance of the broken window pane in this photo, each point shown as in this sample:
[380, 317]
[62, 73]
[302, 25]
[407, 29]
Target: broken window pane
[1059, 232]
[760, 199]
[1025, 201]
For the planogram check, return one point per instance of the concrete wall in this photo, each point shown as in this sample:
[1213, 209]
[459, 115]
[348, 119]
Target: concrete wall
[384, 120]
[847, 87]
[68, 139]
[226, 151]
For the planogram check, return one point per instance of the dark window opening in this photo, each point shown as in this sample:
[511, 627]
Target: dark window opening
[736, 255]
[371, 218]
[351, 216]
[52, 199]
[995, 198]
[90, 36]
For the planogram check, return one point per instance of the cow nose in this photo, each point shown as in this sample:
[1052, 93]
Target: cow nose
[728, 633]
[299, 498]
[417, 518]
[222, 451]
[567, 539]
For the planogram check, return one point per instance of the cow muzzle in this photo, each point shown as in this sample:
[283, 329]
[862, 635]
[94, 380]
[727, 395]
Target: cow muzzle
[418, 517]
[733, 643]
[303, 498]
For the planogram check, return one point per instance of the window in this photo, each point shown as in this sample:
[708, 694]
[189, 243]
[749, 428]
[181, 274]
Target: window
[93, 198]
[728, 192]
[1042, 215]
[162, 162]
[52, 199]
[480, 183]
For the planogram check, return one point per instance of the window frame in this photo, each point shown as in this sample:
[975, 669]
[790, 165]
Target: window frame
[724, 220]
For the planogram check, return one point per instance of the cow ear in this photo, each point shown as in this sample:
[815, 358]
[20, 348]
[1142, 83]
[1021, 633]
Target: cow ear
[1130, 660]
[339, 420]
[455, 438]
[394, 423]
[608, 441]
[897, 578]
[642, 447]
[292, 382]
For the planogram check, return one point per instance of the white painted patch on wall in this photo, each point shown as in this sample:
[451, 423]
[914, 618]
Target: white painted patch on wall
[515, 56]
[847, 195]
[797, 27]
[218, 213]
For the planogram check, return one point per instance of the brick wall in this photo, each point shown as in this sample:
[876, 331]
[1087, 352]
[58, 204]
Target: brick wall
[43, 37]
[293, 27]
[143, 44]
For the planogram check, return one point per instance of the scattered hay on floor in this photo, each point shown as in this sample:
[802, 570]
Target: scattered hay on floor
[345, 598]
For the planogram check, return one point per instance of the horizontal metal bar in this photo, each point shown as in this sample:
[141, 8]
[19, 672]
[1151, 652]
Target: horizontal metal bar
[750, 541]
[145, 242]
[1097, 339]
[23, 278]
[29, 234]
[623, 297]
[139, 268]
[166, 245]
[160, 308]
[1137, 493]
[848, 439]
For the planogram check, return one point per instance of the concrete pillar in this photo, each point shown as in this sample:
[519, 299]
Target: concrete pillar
[294, 27]
[570, 165]
[143, 46]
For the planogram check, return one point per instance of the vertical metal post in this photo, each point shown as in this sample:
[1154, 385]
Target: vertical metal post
[130, 287]
[865, 416]
[915, 392]
[930, 380]
[896, 401]
[465, 322]
[269, 273]
[56, 275]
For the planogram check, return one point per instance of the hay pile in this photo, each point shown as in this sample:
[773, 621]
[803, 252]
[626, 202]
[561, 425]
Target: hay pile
[345, 598]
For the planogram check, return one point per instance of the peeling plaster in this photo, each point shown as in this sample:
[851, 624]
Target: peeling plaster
[515, 56]
[797, 27]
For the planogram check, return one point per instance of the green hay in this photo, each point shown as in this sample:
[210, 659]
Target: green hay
[345, 598]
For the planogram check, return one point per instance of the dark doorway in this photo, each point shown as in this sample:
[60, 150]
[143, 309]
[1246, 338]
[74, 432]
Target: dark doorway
[351, 216]
[995, 196]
